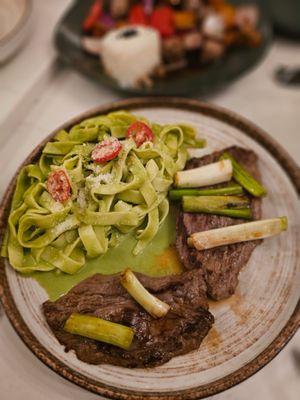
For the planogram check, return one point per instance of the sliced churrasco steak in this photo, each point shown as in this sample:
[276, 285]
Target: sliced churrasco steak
[220, 265]
[156, 341]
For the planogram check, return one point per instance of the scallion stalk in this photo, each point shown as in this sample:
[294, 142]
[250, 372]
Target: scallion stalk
[238, 233]
[244, 178]
[243, 213]
[210, 174]
[100, 329]
[232, 189]
[198, 203]
[150, 303]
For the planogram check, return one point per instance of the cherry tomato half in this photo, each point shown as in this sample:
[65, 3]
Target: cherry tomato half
[58, 185]
[107, 150]
[140, 133]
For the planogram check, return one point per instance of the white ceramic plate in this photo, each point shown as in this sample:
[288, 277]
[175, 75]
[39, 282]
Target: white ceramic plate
[14, 26]
[251, 327]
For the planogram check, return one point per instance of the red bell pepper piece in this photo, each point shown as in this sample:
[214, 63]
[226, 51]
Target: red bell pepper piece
[162, 20]
[138, 16]
[93, 16]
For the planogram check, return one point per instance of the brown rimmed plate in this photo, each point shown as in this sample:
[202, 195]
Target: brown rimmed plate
[251, 327]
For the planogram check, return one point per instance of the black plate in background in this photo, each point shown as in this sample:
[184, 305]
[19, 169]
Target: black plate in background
[189, 81]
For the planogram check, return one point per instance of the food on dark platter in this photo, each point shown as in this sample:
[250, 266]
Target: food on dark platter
[156, 341]
[141, 40]
[110, 179]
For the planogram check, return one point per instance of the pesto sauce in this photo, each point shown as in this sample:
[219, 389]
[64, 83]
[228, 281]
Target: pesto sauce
[158, 259]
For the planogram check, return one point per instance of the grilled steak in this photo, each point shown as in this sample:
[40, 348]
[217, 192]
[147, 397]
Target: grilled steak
[156, 340]
[221, 265]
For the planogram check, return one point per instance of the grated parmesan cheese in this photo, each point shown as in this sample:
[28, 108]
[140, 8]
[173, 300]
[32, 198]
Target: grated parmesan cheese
[66, 225]
[56, 206]
[95, 168]
[97, 180]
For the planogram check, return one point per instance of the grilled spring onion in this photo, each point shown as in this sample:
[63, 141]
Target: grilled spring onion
[231, 189]
[238, 233]
[198, 203]
[100, 329]
[230, 206]
[242, 213]
[210, 174]
[242, 176]
[150, 303]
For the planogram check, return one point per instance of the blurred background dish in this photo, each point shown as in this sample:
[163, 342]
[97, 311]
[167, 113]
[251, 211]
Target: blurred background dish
[14, 26]
[285, 15]
[203, 77]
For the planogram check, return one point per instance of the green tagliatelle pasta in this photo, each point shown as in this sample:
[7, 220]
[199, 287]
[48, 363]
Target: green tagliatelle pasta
[125, 195]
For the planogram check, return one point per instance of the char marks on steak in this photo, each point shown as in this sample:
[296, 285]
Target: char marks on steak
[156, 340]
[220, 265]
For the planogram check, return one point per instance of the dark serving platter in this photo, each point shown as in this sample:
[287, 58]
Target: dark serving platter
[189, 81]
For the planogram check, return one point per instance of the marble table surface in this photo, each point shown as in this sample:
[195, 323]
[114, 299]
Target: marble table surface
[38, 93]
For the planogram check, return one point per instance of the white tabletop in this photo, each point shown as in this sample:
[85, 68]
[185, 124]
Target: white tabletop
[37, 94]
